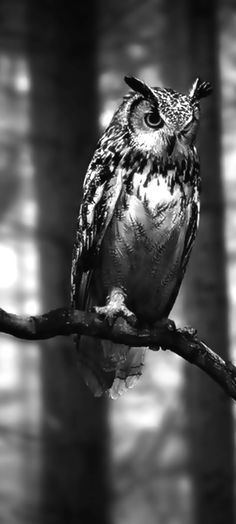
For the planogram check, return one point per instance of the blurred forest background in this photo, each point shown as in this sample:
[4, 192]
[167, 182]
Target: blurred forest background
[164, 453]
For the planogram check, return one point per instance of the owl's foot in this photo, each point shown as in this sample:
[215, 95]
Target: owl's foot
[115, 308]
[166, 322]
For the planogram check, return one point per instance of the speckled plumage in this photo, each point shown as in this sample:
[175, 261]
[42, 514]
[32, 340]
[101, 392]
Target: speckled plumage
[137, 223]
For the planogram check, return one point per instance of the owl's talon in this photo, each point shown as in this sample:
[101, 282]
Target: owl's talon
[170, 324]
[115, 307]
[167, 323]
[106, 313]
[112, 311]
[128, 316]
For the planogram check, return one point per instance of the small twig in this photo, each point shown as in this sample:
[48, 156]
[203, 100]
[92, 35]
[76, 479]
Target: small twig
[183, 342]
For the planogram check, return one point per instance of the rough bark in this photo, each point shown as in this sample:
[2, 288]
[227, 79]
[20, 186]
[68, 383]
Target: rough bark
[184, 342]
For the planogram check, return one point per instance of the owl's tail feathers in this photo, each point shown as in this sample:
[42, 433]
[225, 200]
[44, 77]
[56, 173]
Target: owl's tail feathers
[90, 363]
[107, 367]
[128, 371]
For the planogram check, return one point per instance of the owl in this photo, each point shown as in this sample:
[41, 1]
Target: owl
[137, 224]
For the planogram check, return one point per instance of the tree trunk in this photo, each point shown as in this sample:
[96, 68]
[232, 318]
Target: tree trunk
[210, 411]
[62, 44]
[193, 51]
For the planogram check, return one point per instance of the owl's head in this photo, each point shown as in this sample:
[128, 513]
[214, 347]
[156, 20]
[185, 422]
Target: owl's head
[160, 120]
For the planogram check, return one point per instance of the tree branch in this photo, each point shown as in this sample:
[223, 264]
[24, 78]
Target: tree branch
[183, 342]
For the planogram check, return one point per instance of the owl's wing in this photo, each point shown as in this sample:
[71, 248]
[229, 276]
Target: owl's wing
[190, 234]
[188, 244]
[101, 193]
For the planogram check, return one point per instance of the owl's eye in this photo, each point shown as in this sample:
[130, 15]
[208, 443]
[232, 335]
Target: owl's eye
[153, 119]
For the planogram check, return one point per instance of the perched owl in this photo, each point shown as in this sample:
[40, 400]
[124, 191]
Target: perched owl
[137, 223]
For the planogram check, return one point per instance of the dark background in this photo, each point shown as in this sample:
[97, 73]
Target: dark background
[164, 453]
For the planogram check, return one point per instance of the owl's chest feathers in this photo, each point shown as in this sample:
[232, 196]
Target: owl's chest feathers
[155, 181]
[156, 191]
[143, 246]
[153, 212]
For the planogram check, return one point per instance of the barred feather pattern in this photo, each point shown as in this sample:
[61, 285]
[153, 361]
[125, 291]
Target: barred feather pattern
[136, 227]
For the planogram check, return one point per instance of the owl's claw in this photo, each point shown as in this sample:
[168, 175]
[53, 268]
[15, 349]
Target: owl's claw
[111, 313]
[166, 322]
[115, 308]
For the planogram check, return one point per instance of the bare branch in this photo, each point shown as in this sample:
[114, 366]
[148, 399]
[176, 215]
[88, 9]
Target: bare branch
[183, 342]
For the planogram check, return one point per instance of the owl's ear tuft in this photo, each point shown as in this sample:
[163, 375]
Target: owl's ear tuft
[199, 90]
[141, 88]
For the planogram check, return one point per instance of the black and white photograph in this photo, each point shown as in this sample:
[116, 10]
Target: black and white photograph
[117, 261]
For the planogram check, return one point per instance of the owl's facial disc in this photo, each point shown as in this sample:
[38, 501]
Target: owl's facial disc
[162, 121]
[147, 127]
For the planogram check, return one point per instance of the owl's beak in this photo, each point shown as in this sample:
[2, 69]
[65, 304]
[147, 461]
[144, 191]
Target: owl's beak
[171, 144]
